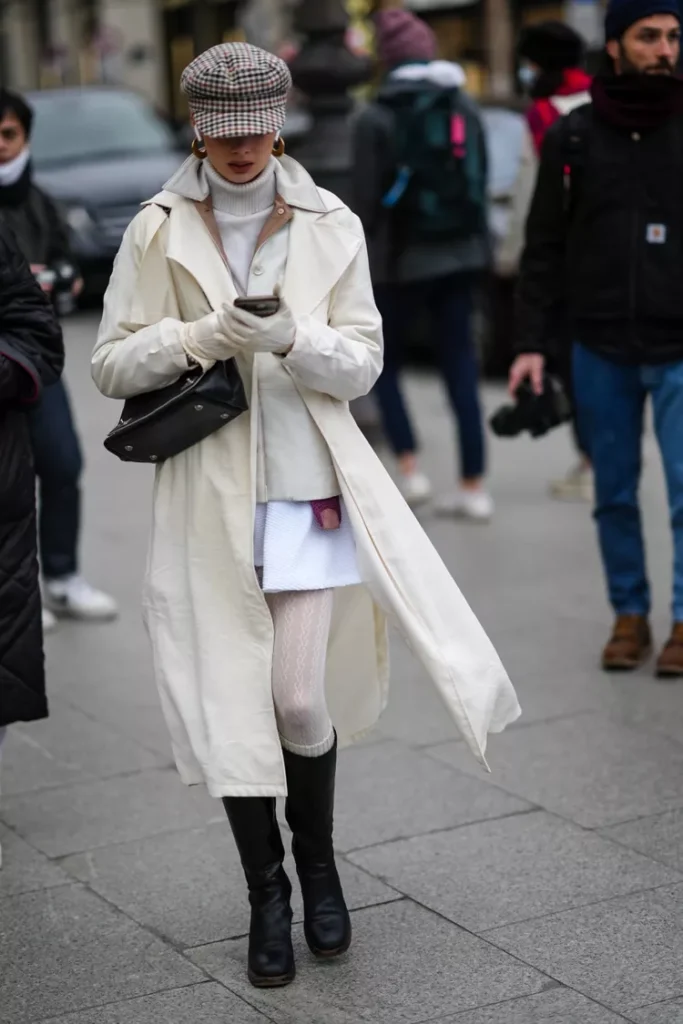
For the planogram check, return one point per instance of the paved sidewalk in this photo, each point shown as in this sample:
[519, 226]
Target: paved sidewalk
[550, 891]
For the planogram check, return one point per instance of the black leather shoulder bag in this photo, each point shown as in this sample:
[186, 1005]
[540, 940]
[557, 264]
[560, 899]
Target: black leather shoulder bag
[160, 424]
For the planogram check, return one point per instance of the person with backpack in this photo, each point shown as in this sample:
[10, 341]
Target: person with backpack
[420, 187]
[551, 70]
[604, 252]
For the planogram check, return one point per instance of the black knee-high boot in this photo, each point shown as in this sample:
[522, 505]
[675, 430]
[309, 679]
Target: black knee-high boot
[310, 811]
[255, 828]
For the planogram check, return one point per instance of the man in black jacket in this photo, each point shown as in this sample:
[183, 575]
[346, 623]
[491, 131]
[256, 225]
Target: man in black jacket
[605, 248]
[31, 356]
[43, 239]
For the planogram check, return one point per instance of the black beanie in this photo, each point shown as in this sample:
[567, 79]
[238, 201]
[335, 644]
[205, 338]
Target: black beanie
[621, 14]
[552, 45]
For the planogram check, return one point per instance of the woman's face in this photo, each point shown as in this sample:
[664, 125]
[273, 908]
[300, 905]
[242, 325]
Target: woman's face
[240, 160]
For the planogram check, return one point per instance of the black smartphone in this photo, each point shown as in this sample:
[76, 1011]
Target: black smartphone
[259, 305]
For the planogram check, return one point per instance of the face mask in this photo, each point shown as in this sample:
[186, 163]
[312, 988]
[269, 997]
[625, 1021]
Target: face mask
[527, 76]
[13, 170]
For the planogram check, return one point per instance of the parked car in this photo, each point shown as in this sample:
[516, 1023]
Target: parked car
[100, 152]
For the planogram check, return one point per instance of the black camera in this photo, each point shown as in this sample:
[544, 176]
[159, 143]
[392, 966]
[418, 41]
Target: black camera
[536, 414]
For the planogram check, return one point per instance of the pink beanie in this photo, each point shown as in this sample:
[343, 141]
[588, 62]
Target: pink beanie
[402, 37]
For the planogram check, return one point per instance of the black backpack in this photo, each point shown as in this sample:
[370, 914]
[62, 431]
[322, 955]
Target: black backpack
[440, 187]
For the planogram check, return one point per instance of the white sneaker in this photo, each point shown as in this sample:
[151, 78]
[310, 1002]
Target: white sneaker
[415, 488]
[475, 506]
[577, 485]
[74, 598]
[49, 621]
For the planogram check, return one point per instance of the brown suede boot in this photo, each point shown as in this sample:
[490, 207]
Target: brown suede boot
[629, 645]
[670, 663]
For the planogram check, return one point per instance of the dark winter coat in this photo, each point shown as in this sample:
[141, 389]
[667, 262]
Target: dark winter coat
[604, 243]
[374, 169]
[31, 355]
[35, 221]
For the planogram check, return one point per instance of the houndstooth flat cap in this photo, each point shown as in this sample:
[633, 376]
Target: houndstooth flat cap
[235, 90]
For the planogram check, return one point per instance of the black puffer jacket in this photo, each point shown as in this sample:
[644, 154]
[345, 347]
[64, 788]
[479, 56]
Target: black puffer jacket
[605, 242]
[31, 355]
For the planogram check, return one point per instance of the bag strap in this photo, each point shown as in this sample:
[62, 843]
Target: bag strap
[573, 149]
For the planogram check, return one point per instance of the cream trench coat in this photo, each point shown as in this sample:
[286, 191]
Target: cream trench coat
[211, 631]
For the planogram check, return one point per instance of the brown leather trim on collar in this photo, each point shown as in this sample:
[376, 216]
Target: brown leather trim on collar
[281, 214]
[205, 210]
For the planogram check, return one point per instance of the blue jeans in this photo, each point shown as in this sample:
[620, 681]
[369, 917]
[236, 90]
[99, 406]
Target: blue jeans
[448, 302]
[610, 401]
[58, 461]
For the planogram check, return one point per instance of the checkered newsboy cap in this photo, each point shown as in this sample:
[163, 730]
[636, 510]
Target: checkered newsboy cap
[236, 89]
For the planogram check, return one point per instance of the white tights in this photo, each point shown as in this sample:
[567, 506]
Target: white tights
[302, 627]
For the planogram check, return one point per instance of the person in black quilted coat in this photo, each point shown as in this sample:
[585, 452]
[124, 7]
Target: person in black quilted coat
[31, 356]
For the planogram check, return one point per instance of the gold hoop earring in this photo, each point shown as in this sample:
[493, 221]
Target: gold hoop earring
[279, 147]
[198, 150]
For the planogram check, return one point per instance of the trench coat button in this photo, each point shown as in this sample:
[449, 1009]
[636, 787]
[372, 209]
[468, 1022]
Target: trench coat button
[258, 271]
[636, 136]
[281, 211]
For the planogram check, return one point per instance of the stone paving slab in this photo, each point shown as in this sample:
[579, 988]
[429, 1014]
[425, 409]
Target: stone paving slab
[190, 887]
[662, 1013]
[416, 713]
[660, 837]
[63, 949]
[94, 814]
[497, 872]
[387, 791]
[626, 952]
[588, 768]
[555, 1006]
[68, 747]
[197, 1004]
[406, 966]
[24, 869]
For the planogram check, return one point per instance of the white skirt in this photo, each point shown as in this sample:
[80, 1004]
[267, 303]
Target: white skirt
[295, 553]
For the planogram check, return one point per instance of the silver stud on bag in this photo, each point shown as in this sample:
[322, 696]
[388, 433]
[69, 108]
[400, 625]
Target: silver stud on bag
[198, 408]
[225, 415]
[128, 448]
[154, 458]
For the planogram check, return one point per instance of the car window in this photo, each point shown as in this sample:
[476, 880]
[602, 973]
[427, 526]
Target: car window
[90, 125]
[504, 138]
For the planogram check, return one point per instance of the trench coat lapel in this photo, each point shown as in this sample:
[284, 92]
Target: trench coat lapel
[191, 245]
[319, 253]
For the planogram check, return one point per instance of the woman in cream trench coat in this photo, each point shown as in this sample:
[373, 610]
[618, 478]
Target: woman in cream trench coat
[211, 628]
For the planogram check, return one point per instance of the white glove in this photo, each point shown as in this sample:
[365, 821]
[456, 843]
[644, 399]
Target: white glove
[252, 333]
[207, 340]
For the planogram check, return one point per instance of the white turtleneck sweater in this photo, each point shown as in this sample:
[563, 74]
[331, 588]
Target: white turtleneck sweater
[241, 211]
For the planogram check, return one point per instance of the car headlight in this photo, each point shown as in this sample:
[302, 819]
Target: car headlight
[78, 219]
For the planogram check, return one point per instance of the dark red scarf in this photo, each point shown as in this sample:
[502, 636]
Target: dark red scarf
[637, 102]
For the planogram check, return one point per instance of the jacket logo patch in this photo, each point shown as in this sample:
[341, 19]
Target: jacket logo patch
[656, 234]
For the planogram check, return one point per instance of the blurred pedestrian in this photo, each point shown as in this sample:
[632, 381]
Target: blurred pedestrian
[551, 71]
[420, 183]
[43, 238]
[266, 530]
[604, 247]
[31, 357]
